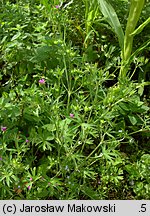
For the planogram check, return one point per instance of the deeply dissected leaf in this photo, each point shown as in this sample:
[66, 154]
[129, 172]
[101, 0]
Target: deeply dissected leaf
[132, 119]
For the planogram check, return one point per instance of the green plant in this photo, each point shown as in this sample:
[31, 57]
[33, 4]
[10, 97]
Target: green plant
[125, 41]
[91, 11]
[139, 176]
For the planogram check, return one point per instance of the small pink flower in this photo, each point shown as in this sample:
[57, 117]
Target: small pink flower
[71, 115]
[27, 140]
[1, 159]
[42, 81]
[30, 179]
[3, 129]
[29, 187]
[57, 6]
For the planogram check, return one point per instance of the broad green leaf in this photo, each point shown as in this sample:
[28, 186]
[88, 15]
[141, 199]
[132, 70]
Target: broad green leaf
[124, 106]
[145, 108]
[49, 127]
[112, 18]
[141, 90]
[141, 27]
[132, 119]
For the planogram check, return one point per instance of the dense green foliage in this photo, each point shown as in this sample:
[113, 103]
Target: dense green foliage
[69, 129]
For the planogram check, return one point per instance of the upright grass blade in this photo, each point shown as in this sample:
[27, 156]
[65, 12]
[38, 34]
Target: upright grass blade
[137, 51]
[125, 41]
[91, 11]
[134, 15]
[141, 27]
[125, 65]
[136, 7]
[112, 18]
